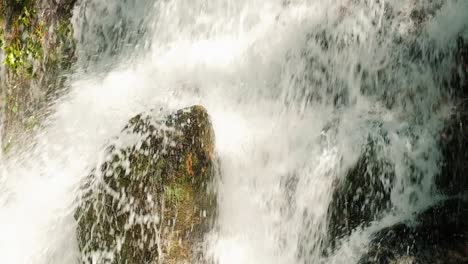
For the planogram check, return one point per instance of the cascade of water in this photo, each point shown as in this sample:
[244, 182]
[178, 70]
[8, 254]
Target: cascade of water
[295, 89]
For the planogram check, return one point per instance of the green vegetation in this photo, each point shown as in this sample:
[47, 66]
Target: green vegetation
[24, 45]
[37, 45]
[174, 193]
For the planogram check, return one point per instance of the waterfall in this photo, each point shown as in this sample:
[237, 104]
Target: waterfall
[295, 90]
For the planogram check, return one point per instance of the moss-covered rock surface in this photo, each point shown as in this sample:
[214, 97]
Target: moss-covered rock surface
[36, 38]
[150, 200]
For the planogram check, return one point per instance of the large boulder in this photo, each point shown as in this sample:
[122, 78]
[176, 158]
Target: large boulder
[149, 201]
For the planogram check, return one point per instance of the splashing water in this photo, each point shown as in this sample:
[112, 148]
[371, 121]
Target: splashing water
[294, 89]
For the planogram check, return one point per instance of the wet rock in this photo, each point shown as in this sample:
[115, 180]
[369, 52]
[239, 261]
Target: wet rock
[150, 200]
[454, 139]
[459, 82]
[452, 179]
[362, 195]
[438, 235]
[38, 50]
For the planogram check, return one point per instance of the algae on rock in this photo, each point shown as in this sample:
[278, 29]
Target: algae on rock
[149, 201]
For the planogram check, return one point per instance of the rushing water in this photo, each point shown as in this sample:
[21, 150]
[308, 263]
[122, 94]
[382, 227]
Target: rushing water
[294, 88]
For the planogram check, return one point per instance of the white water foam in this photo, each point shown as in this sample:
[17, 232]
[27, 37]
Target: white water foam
[290, 116]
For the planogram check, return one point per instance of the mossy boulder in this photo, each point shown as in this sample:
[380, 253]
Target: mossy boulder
[438, 235]
[150, 200]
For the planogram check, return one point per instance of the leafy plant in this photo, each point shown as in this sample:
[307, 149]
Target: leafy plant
[25, 43]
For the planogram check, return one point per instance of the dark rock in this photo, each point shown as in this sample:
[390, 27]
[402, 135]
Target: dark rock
[362, 195]
[459, 82]
[454, 139]
[150, 201]
[439, 235]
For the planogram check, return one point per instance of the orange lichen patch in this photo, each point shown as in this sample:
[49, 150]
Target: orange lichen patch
[189, 164]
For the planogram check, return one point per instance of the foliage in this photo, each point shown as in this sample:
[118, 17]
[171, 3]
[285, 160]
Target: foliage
[36, 38]
[24, 45]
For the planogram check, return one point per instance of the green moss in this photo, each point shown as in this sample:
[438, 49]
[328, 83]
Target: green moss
[25, 42]
[24, 45]
[65, 29]
[58, 53]
[12, 104]
[7, 147]
[37, 47]
[174, 193]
